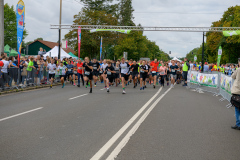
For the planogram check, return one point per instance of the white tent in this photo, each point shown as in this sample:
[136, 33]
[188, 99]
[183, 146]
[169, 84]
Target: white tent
[54, 53]
[175, 58]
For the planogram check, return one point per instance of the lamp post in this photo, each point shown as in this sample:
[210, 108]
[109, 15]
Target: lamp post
[1, 26]
[59, 31]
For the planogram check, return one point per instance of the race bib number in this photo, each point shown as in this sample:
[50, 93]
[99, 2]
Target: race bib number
[109, 73]
[87, 73]
[75, 72]
[101, 72]
[142, 71]
[178, 70]
[162, 73]
[79, 67]
[69, 70]
[173, 70]
[154, 72]
[95, 68]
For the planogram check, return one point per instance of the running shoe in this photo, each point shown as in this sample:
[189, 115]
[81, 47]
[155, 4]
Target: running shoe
[154, 86]
[78, 85]
[184, 85]
[95, 85]
[124, 92]
[134, 86]
[105, 86]
[145, 86]
[90, 90]
[50, 86]
[141, 88]
[107, 90]
[128, 82]
[74, 84]
[86, 86]
[63, 85]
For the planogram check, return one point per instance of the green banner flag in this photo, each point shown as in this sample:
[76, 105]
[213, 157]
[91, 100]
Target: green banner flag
[231, 33]
[195, 57]
[219, 56]
[112, 30]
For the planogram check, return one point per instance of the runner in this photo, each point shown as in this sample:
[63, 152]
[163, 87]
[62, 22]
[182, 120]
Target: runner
[110, 74]
[135, 72]
[179, 73]
[51, 71]
[116, 74]
[96, 68]
[88, 76]
[173, 75]
[163, 72]
[124, 67]
[154, 66]
[143, 74]
[103, 67]
[69, 72]
[62, 72]
[80, 72]
[74, 73]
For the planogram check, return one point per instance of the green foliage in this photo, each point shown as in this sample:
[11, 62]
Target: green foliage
[10, 27]
[104, 12]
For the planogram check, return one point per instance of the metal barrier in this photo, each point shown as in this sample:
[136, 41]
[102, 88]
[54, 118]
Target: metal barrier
[213, 82]
[18, 78]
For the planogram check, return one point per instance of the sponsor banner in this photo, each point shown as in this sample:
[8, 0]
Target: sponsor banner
[226, 83]
[209, 80]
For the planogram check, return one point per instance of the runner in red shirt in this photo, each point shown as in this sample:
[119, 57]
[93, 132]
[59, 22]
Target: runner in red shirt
[80, 72]
[154, 65]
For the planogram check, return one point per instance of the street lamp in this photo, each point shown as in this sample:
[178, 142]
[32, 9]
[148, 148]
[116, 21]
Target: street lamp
[59, 38]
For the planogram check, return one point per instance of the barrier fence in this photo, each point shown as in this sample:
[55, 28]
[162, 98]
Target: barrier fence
[17, 78]
[213, 82]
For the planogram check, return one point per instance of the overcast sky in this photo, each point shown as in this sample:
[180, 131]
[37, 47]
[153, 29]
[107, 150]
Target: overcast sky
[162, 13]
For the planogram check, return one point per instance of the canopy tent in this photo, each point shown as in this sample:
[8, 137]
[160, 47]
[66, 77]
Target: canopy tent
[175, 58]
[7, 49]
[54, 53]
[72, 55]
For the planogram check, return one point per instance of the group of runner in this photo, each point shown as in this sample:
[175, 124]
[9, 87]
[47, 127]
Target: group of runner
[121, 72]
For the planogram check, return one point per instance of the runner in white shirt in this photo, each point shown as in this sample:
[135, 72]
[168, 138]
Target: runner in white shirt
[103, 67]
[124, 67]
[51, 71]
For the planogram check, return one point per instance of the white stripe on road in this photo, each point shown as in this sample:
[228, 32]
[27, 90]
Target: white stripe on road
[125, 140]
[105, 148]
[102, 89]
[20, 114]
[78, 96]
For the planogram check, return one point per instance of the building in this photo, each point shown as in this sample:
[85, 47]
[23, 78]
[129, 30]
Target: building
[34, 47]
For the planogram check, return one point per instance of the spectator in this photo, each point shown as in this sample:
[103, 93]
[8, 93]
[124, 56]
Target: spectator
[5, 69]
[235, 100]
[206, 67]
[41, 51]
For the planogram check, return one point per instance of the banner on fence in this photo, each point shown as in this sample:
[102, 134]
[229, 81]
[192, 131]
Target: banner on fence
[209, 80]
[226, 83]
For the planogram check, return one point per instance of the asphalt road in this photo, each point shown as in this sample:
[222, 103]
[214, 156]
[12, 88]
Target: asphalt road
[154, 124]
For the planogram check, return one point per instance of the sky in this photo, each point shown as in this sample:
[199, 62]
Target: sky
[160, 13]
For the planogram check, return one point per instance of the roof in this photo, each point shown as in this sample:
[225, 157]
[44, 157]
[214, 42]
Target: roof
[53, 44]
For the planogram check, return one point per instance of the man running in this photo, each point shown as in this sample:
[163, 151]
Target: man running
[80, 72]
[103, 67]
[143, 74]
[154, 66]
[51, 71]
[135, 72]
[110, 74]
[173, 68]
[62, 72]
[124, 67]
[96, 68]
[88, 76]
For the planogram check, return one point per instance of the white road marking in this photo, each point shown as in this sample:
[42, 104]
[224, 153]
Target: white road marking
[78, 96]
[125, 140]
[105, 148]
[3, 119]
[102, 89]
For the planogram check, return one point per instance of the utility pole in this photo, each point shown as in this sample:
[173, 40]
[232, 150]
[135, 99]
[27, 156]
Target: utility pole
[59, 38]
[1, 26]
[203, 53]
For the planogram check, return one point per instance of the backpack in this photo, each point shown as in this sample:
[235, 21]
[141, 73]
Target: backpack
[235, 100]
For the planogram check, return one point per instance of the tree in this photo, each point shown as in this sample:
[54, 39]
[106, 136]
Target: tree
[126, 13]
[10, 27]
